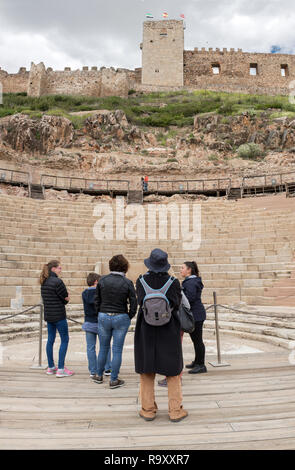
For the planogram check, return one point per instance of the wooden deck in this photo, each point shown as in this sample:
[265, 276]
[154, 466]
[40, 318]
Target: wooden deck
[249, 405]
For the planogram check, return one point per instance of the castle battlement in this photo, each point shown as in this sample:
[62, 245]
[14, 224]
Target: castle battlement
[86, 68]
[165, 66]
[217, 49]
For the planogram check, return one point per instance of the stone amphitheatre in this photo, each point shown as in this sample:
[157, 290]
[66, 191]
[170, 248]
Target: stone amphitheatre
[58, 180]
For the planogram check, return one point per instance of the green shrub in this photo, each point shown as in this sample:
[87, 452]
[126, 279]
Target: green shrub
[78, 121]
[226, 108]
[249, 151]
[6, 112]
[179, 108]
[213, 157]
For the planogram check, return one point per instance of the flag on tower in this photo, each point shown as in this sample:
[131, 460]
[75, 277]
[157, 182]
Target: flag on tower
[149, 15]
[165, 15]
[182, 16]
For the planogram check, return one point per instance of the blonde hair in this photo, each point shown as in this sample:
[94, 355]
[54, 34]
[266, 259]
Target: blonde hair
[45, 273]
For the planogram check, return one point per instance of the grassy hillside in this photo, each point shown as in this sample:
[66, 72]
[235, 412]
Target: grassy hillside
[155, 109]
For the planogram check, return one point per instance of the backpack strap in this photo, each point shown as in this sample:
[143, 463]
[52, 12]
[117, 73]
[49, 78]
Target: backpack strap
[150, 290]
[147, 288]
[166, 286]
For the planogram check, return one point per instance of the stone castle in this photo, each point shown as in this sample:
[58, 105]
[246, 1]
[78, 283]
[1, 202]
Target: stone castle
[165, 66]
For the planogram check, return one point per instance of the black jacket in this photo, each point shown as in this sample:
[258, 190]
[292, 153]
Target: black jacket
[53, 293]
[88, 296]
[157, 349]
[192, 287]
[113, 294]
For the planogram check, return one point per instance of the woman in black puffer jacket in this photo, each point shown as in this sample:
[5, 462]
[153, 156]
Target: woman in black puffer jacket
[55, 297]
[192, 287]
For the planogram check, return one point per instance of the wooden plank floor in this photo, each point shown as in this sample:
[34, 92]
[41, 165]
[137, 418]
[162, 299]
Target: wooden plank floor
[249, 405]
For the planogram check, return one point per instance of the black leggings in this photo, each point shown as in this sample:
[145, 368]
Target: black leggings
[197, 339]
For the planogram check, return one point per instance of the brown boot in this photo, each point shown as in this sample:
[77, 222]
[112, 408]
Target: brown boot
[147, 396]
[176, 411]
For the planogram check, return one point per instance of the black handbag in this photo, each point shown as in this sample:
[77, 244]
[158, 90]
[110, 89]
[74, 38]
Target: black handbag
[187, 321]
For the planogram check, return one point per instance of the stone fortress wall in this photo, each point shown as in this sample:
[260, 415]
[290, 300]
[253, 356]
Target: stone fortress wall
[165, 66]
[238, 71]
[14, 82]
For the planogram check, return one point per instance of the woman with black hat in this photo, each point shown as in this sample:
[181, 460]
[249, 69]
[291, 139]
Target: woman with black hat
[157, 349]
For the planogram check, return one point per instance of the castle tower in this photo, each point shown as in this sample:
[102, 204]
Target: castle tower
[162, 53]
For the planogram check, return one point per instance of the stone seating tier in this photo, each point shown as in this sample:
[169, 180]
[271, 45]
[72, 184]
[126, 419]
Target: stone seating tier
[244, 254]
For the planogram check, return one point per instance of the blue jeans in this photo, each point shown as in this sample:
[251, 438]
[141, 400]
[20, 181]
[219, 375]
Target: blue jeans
[62, 327]
[91, 354]
[110, 327]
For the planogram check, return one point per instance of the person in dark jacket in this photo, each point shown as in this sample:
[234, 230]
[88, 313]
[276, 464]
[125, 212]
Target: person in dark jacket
[90, 325]
[116, 305]
[55, 297]
[157, 349]
[192, 287]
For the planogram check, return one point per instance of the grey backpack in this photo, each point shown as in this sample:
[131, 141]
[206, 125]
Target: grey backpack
[155, 305]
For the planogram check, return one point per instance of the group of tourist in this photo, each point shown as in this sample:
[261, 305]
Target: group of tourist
[110, 302]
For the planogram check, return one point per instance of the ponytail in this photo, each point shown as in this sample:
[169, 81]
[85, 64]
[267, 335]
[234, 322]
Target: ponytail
[193, 266]
[45, 273]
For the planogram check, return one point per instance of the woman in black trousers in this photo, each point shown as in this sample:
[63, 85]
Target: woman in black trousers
[192, 287]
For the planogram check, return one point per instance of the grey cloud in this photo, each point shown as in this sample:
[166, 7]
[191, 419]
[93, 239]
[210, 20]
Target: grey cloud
[97, 32]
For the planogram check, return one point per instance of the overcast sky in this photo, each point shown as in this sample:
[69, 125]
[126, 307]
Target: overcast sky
[107, 33]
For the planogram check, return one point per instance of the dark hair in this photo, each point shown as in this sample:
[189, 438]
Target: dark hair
[193, 266]
[45, 273]
[119, 263]
[91, 278]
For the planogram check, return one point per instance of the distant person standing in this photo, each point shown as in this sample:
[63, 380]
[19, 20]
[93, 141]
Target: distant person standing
[55, 297]
[192, 287]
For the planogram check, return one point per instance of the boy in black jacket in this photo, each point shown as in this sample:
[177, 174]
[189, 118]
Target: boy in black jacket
[90, 325]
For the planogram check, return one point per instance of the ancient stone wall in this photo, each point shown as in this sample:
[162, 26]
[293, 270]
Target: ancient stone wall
[14, 82]
[165, 66]
[89, 82]
[238, 71]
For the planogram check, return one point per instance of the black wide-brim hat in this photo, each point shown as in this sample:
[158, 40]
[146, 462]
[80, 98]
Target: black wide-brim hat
[158, 261]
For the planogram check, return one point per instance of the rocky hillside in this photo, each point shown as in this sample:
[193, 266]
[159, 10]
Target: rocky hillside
[108, 143]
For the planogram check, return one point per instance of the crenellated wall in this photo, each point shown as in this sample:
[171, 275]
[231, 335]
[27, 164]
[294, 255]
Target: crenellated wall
[14, 82]
[234, 71]
[89, 82]
[165, 66]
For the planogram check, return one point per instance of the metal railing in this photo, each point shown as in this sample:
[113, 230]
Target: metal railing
[290, 189]
[265, 184]
[41, 314]
[14, 176]
[219, 362]
[214, 184]
[215, 306]
[249, 185]
[83, 184]
[269, 180]
[41, 307]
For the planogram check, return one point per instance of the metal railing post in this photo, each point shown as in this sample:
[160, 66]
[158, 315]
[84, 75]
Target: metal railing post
[219, 363]
[39, 366]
